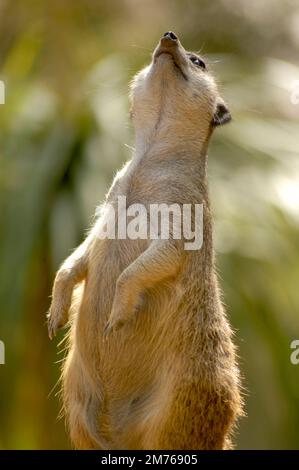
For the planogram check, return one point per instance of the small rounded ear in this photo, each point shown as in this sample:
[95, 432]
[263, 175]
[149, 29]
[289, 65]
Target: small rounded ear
[221, 115]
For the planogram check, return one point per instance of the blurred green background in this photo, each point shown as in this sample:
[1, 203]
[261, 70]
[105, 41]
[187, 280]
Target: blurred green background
[64, 129]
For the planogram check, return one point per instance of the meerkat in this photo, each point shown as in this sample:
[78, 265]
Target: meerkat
[151, 362]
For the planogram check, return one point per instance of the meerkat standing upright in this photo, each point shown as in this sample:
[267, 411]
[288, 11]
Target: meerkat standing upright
[151, 362]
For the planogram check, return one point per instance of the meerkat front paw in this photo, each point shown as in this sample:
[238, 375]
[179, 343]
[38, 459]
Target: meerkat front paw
[56, 319]
[61, 301]
[119, 316]
[125, 306]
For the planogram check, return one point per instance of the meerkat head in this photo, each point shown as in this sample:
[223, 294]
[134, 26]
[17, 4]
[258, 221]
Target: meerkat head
[177, 87]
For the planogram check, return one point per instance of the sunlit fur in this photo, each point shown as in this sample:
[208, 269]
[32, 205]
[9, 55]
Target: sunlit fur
[164, 376]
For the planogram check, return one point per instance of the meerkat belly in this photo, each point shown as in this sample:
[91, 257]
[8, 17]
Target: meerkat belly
[127, 352]
[129, 363]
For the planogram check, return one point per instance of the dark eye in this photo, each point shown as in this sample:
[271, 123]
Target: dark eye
[198, 62]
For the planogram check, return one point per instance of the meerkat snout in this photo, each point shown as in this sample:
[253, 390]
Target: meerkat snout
[170, 35]
[221, 115]
[179, 86]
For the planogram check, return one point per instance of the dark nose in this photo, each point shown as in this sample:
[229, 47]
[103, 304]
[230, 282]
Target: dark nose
[170, 35]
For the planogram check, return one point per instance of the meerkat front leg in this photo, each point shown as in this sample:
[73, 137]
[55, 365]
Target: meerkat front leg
[159, 261]
[72, 271]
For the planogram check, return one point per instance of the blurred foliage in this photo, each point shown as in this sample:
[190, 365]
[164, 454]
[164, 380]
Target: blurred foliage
[64, 127]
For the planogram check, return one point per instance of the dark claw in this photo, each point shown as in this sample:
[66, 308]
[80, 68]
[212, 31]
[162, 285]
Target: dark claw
[107, 330]
[51, 332]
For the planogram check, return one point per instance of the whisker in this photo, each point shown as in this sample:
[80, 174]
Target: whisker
[140, 47]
